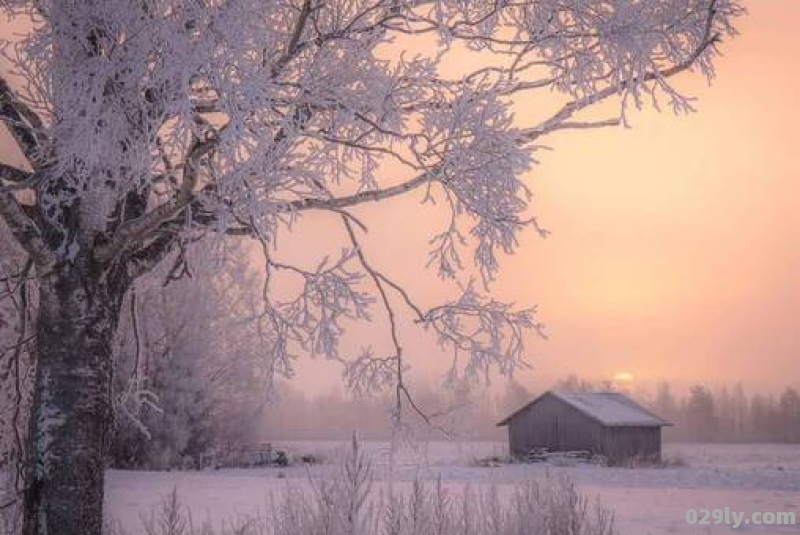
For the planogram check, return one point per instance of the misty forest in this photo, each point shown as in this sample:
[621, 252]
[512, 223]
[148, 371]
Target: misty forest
[207, 325]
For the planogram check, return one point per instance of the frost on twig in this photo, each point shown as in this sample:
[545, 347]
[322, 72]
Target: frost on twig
[487, 334]
[483, 332]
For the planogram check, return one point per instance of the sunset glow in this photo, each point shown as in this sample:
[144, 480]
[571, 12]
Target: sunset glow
[623, 378]
[675, 244]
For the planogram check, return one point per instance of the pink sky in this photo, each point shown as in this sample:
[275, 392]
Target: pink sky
[675, 251]
[676, 246]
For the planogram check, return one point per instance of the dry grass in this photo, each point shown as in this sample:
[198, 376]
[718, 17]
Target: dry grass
[350, 504]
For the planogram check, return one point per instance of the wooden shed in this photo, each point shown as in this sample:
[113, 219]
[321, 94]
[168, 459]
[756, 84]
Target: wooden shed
[604, 423]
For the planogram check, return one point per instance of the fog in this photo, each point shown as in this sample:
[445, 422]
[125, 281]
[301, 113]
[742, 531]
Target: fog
[466, 412]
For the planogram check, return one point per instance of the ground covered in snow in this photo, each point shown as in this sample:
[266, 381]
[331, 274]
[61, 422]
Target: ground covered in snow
[647, 501]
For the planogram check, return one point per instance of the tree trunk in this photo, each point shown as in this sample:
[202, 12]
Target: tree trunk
[71, 412]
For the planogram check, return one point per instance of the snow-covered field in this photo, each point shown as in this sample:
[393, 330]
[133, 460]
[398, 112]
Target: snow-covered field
[647, 501]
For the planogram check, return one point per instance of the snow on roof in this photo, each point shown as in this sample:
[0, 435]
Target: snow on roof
[609, 408]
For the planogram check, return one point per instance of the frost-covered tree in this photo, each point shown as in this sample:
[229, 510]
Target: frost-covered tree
[146, 123]
[190, 372]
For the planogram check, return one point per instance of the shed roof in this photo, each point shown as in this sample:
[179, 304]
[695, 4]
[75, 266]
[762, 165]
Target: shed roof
[611, 409]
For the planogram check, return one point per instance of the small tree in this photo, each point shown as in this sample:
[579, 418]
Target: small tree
[701, 414]
[148, 123]
[189, 369]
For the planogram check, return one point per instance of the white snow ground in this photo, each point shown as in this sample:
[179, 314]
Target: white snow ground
[647, 501]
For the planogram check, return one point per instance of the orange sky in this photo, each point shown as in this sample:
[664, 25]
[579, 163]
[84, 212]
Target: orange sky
[676, 245]
[675, 250]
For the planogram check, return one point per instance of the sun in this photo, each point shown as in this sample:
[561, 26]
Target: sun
[624, 378]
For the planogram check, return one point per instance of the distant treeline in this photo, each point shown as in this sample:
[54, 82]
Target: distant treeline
[728, 414]
[701, 414]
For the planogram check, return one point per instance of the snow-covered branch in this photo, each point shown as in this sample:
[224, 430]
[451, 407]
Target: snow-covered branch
[487, 333]
[137, 231]
[25, 125]
[490, 335]
[374, 195]
[20, 179]
[634, 84]
[24, 229]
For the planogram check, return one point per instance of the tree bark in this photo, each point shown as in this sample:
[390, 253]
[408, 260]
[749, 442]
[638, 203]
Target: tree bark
[72, 405]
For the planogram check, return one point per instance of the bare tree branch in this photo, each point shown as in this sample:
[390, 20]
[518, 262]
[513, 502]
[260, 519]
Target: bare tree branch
[19, 179]
[402, 391]
[339, 203]
[24, 229]
[25, 125]
[138, 230]
[556, 121]
[13, 174]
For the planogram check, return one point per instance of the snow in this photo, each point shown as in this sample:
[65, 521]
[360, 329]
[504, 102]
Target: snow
[647, 501]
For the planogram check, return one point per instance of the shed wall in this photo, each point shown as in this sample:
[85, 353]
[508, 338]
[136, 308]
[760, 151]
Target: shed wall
[630, 442]
[550, 423]
[553, 424]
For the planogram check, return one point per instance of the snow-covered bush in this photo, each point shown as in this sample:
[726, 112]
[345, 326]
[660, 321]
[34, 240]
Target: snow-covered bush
[353, 502]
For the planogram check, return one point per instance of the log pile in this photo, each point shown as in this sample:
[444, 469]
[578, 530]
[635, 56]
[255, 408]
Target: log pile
[568, 457]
